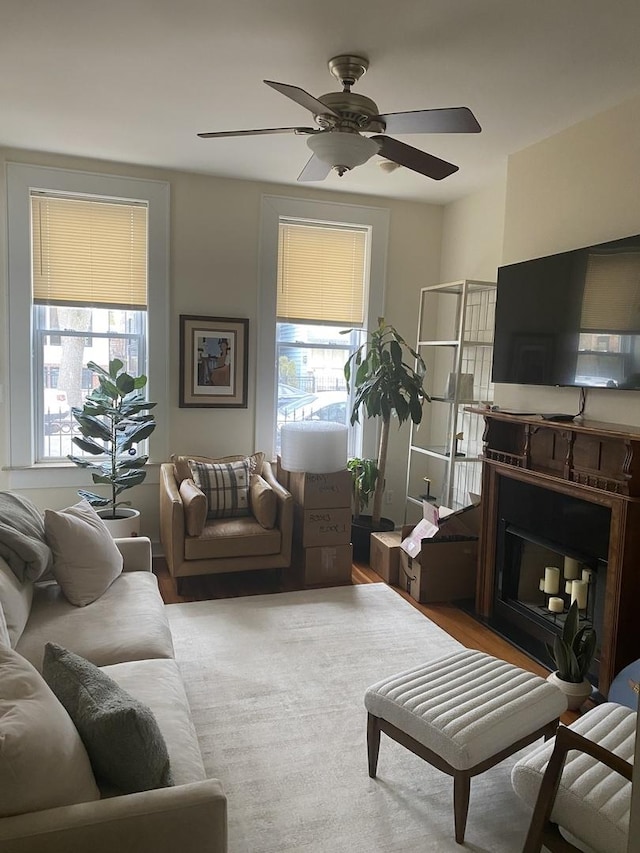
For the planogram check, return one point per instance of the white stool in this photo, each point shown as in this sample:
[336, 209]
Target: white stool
[462, 713]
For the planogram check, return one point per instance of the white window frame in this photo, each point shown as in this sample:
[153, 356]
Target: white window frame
[275, 208]
[22, 179]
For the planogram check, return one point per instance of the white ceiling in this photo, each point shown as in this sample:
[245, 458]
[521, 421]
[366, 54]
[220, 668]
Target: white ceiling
[135, 80]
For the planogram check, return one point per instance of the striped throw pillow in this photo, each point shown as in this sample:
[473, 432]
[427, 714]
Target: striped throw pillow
[225, 485]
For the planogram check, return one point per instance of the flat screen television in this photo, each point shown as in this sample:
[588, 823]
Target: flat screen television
[571, 319]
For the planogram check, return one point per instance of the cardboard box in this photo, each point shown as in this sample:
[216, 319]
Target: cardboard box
[446, 571]
[313, 528]
[330, 565]
[385, 555]
[444, 566]
[319, 491]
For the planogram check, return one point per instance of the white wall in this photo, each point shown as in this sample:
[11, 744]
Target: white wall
[214, 271]
[576, 188]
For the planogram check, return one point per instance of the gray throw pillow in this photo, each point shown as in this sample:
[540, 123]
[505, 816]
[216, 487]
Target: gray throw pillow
[121, 734]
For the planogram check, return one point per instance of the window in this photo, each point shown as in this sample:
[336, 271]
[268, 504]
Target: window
[322, 289]
[89, 274]
[88, 280]
[322, 271]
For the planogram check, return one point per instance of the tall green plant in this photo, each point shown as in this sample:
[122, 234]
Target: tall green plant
[385, 384]
[364, 474]
[111, 421]
[573, 651]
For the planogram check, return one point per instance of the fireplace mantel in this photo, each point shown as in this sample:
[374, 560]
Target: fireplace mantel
[590, 460]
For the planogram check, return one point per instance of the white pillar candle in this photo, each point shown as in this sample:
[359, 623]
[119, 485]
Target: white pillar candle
[579, 593]
[556, 605]
[586, 575]
[571, 569]
[541, 585]
[567, 587]
[551, 580]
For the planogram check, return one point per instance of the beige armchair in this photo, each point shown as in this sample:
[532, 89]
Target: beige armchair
[197, 545]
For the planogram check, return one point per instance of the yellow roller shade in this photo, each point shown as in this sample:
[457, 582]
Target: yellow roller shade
[321, 274]
[611, 301]
[89, 252]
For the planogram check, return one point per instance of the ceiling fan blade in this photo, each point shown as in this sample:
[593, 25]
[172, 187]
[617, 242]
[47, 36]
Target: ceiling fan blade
[303, 98]
[413, 158]
[258, 132]
[315, 170]
[449, 120]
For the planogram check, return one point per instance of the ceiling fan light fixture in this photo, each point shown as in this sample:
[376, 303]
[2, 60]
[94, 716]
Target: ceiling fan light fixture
[342, 151]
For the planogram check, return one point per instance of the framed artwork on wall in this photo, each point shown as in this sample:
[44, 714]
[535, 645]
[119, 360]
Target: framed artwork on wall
[213, 362]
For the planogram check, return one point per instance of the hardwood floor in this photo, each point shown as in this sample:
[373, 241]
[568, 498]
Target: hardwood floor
[458, 624]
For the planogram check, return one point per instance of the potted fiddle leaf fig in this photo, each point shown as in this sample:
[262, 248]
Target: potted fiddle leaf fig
[112, 421]
[385, 386]
[572, 653]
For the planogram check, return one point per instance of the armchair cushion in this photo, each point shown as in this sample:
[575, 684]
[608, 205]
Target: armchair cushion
[121, 735]
[264, 503]
[225, 485]
[183, 471]
[86, 560]
[195, 507]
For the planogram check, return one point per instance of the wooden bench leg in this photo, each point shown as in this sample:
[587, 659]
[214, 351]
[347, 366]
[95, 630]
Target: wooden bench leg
[461, 791]
[373, 743]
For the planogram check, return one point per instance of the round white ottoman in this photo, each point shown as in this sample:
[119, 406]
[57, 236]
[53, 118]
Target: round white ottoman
[462, 713]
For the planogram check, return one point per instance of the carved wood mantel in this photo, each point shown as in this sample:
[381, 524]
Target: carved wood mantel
[589, 460]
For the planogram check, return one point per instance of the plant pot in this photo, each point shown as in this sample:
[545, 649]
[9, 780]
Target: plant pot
[361, 530]
[125, 523]
[576, 694]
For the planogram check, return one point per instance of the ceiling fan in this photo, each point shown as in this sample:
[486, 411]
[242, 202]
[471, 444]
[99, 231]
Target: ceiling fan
[343, 117]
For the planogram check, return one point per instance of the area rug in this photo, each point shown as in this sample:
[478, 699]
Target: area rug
[276, 686]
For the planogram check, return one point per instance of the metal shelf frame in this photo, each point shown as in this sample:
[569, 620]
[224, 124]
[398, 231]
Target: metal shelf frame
[469, 336]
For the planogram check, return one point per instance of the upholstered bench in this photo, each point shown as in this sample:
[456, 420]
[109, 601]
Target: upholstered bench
[462, 713]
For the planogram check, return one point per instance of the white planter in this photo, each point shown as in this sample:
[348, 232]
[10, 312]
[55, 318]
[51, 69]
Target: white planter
[576, 693]
[126, 523]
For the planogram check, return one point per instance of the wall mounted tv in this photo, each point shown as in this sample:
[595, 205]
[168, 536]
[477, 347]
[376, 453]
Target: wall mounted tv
[571, 319]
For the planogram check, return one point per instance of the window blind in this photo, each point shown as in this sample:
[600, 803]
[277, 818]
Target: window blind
[611, 301]
[321, 274]
[88, 252]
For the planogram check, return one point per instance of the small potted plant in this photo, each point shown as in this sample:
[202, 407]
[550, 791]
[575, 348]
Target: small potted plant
[113, 419]
[364, 473]
[572, 652]
[385, 386]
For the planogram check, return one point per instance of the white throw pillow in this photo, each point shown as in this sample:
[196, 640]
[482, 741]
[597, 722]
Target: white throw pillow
[43, 763]
[86, 560]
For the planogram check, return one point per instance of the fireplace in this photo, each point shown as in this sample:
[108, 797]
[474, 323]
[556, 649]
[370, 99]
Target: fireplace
[539, 531]
[561, 497]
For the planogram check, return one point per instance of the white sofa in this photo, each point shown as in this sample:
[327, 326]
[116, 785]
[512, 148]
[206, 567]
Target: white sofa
[126, 632]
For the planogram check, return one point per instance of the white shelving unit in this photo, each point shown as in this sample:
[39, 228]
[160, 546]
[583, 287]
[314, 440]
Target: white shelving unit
[455, 339]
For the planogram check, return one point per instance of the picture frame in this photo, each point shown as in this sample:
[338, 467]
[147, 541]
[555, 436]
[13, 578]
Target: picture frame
[214, 362]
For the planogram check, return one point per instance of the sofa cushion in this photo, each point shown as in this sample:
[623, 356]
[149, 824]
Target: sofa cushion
[183, 471]
[194, 502]
[159, 684]
[128, 622]
[86, 560]
[225, 485]
[43, 763]
[264, 503]
[15, 599]
[121, 734]
[232, 537]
